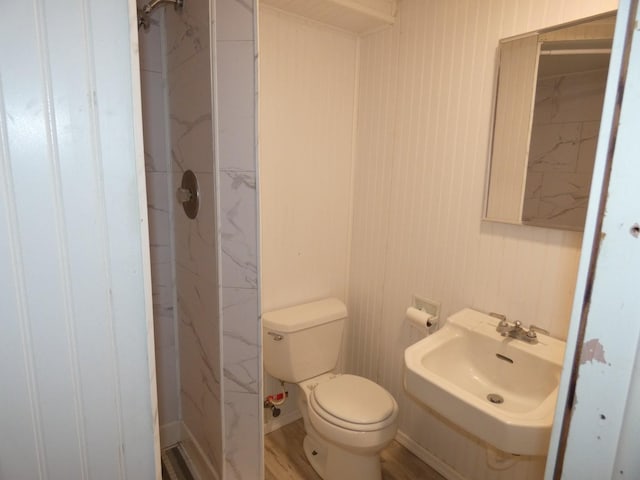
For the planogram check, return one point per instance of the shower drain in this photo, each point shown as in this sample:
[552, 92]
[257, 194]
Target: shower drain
[495, 398]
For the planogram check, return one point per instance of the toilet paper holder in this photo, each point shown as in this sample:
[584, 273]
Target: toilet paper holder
[428, 306]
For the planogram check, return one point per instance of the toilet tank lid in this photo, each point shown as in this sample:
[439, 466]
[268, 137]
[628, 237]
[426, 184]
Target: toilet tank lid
[304, 316]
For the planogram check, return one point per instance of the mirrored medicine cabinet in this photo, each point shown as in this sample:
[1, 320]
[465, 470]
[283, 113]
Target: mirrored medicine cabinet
[549, 94]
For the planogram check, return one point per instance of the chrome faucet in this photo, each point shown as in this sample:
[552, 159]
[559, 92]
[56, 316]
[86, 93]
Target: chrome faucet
[515, 329]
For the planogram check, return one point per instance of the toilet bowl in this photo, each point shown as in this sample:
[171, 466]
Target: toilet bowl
[354, 419]
[348, 419]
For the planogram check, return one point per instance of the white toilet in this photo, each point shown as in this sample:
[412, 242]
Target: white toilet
[348, 419]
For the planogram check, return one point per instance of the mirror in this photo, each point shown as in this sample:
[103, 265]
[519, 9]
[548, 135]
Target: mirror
[549, 94]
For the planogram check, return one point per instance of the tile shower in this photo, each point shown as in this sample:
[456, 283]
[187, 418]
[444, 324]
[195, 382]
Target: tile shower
[209, 264]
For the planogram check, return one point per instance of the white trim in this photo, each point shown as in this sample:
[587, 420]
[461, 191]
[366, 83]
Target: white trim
[258, 220]
[427, 457]
[198, 463]
[145, 254]
[170, 434]
[279, 422]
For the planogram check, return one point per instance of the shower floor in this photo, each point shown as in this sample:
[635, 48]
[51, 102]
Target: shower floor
[174, 466]
[284, 458]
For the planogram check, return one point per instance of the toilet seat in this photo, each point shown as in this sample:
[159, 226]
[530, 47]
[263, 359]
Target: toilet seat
[353, 403]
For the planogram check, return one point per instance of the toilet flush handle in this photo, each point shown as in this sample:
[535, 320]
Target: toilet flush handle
[276, 336]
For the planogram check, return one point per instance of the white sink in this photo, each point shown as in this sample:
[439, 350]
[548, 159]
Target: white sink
[454, 371]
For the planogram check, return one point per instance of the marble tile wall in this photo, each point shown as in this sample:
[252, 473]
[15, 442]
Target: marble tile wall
[216, 255]
[160, 221]
[189, 85]
[562, 151]
[238, 236]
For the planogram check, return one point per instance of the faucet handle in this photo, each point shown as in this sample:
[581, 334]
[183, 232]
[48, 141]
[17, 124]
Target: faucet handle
[503, 326]
[533, 329]
[503, 319]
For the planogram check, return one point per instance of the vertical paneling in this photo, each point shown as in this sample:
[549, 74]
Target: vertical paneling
[307, 81]
[79, 394]
[424, 109]
[307, 93]
[378, 62]
[17, 367]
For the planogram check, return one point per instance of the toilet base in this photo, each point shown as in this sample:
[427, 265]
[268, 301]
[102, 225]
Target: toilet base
[334, 463]
[316, 453]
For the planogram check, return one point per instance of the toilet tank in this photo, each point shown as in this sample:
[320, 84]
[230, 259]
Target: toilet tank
[303, 341]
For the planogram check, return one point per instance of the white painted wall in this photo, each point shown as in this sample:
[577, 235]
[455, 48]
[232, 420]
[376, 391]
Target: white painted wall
[307, 94]
[76, 336]
[307, 91]
[424, 105]
[423, 109]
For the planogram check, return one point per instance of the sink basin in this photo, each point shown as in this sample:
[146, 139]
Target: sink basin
[500, 389]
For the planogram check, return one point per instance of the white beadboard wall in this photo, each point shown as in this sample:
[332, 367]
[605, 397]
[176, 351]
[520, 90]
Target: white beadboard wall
[424, 104]
[307, 91]
[76, 329]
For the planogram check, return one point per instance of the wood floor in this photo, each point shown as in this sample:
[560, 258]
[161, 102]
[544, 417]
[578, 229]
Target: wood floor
[284, 459]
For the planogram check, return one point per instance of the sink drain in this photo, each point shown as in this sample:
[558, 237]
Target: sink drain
[495, 398]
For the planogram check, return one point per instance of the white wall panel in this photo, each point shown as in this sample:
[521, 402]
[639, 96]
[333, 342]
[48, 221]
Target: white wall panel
[371, 208]
[424, 110]
[76, 361]
[306, 124]
[307, 85]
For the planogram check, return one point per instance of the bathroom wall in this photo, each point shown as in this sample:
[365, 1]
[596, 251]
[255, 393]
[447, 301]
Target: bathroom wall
[237, 236]
[424, 108]
[307, 92]
[77, 373]
[189, 87]
[159, 201]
